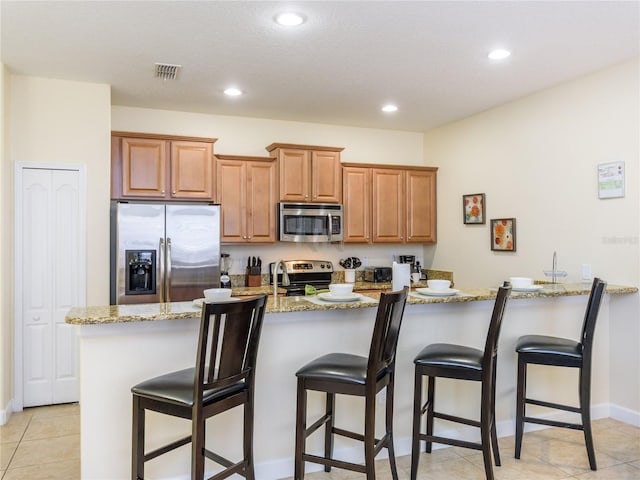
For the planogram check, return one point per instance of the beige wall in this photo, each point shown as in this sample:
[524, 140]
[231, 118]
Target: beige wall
[536, 159]
[6, 290]
[58, 121]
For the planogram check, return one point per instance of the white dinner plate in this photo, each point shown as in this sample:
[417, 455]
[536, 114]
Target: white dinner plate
[531, 288]
[329, 297]
[437, 293]
[199, 301]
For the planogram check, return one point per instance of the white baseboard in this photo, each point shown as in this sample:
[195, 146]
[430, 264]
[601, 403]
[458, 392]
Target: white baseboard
[625, 415]
[5, 413]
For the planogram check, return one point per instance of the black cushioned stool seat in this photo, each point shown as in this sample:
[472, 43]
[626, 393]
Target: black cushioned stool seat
[462, 363]
[561, 352]
[347, 374]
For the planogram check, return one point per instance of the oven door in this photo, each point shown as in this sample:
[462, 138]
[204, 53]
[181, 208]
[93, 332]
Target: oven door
[310, 222]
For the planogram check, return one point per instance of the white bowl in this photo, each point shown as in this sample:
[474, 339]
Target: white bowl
[521, 282]
[217, 294]
[439, 285]
[341, 289]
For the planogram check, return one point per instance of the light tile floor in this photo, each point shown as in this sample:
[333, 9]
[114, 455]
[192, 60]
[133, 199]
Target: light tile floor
[44, 443]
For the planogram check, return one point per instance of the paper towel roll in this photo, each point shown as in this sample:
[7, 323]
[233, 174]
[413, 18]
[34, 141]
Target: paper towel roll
[400, 276]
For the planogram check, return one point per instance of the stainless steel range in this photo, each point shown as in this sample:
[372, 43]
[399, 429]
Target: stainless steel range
[304, 272]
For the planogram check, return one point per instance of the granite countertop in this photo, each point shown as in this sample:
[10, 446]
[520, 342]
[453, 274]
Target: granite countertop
[100, 315]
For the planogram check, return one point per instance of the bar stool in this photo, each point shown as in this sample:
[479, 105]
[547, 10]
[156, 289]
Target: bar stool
[561, 352]
[223, 378]
[346, 374]
[463, 363]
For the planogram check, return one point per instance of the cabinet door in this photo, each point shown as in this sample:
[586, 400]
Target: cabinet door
[388, 205]
[144, 168]
[231, 194]
[357, 204]
[261, 202]
[421, 206]
[294, 175]
[326, 177]
[191, 170]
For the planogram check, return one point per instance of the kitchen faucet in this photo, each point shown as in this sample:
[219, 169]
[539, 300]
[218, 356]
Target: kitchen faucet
[285, 277]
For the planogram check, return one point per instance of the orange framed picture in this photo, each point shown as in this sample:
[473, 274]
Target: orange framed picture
[473, 208]
[503, 234]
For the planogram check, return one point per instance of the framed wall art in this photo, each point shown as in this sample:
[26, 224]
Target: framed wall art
[473, 208]
[503, 234]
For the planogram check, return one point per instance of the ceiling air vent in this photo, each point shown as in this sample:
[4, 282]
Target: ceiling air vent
[167, 71]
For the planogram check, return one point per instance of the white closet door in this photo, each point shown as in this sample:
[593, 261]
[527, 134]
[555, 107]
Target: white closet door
[50, 284]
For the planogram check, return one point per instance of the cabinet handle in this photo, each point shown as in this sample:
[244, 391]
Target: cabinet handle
[36, 319]
[306, 196]
[173, 193]
[162, 192]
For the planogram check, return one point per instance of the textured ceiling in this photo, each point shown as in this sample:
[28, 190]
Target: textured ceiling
[340, 67]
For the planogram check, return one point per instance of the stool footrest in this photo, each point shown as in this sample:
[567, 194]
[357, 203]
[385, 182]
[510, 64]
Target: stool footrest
[167, 448]
[553, 423]
[453, 418]
[321, 421]
[237, 468]
[218, 459]
[542, 403]
[348, 434]
[330, 462]
[451, 441]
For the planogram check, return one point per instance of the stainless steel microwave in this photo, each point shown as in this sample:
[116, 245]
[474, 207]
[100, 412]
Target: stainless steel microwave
[310, 222]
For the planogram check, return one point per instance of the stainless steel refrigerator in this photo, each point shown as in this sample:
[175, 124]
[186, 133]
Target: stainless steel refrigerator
[163, 252]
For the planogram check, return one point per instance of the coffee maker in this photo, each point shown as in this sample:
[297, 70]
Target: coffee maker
[411, 260]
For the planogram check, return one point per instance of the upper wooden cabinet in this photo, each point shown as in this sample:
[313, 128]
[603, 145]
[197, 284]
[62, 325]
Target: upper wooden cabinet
[308, 173]
[389, 204]
[161, 167]
[246, 188]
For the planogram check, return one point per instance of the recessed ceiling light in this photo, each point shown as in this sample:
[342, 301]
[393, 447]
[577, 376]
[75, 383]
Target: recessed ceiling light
[290, 19]
[499, 54]
[233, 91]
[389, 108]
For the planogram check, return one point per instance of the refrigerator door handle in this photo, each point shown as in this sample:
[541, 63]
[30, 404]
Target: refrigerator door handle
[168, 287]
[160, 279]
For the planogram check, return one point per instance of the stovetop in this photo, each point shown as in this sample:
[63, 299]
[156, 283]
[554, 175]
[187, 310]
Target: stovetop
[304, 272]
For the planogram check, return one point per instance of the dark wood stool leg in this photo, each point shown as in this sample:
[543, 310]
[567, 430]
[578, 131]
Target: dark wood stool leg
[585, 411]
[494, 433]
[137, 454]
[431, 397]
[248, 437]
[389, 427]
[301, 426]
[417, 417]
[485, 429]
[197, 446]
[370, 434]
[328, 428]
[520, 403]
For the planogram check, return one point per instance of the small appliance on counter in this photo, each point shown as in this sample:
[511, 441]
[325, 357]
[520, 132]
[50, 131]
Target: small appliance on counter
[377, 274]
[316, 273]
[225, 266]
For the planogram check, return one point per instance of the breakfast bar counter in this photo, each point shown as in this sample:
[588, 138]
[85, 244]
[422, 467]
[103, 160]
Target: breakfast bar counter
[122, 345]
[101, 315]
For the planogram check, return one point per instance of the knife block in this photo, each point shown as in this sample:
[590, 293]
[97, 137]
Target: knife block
[252, 279]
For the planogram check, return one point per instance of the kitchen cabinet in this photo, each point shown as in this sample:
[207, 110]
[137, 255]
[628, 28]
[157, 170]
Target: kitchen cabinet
[247, 190]
[308, 173]
[389, 204]
[161, 167]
